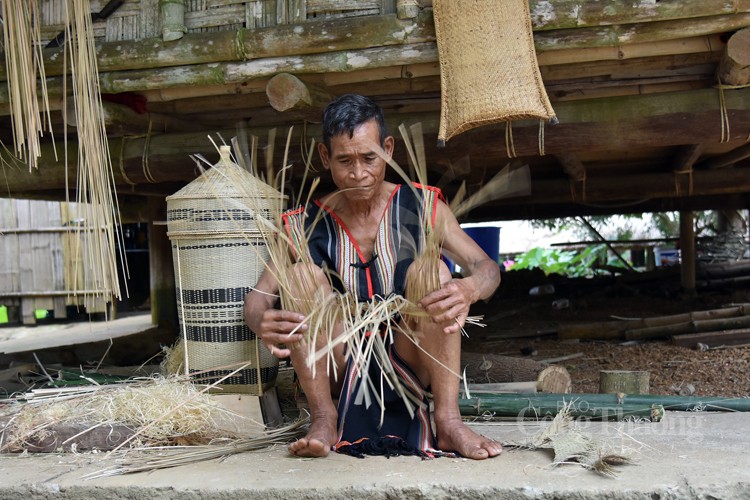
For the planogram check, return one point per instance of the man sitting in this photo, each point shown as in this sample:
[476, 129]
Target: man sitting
[364, 236]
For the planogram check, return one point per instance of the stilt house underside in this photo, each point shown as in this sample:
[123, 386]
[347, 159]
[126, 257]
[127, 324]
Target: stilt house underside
[633, 83]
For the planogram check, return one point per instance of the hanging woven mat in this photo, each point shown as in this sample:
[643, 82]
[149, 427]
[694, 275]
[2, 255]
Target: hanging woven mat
[488, 67]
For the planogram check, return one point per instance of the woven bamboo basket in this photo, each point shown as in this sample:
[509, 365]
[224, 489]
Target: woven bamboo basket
[219, 254]
[488, 67]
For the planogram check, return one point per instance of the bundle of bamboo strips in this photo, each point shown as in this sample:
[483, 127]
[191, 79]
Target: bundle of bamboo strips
[95, 184]
[25, 66]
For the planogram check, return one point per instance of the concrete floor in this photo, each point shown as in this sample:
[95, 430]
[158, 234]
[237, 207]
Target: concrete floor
[687, 455]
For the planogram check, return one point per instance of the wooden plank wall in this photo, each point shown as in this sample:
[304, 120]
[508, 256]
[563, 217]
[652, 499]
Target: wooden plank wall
[136, 19]
[43, 259]
[9, 272]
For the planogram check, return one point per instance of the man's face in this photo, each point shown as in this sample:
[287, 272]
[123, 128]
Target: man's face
[354, 162]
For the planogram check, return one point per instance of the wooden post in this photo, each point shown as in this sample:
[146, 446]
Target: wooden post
[163, 290]
[407, 9]
[687, 251]
[628, 382]
[287, 92]
[728, 159]
[734, 68]
[173, 19]
[686, 157]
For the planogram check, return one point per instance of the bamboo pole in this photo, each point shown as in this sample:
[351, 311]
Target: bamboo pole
[542, 406]
[605, 241]
[739, 336]
[690, 20]
[486, 402]
[173, 19]
[546, 15]
[613, 330]
[203, 81]
[196, 50]
[656, 332]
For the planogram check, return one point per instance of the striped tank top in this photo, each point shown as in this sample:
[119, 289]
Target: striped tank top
[408, 214]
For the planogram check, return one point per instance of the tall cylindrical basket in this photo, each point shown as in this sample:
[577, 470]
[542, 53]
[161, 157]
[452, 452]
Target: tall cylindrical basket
[219, 254]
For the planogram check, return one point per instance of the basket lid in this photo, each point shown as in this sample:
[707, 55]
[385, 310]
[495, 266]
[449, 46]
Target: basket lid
[226, 180]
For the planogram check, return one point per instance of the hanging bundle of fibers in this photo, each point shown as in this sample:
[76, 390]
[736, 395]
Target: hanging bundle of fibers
[95, 184]
[24, 65]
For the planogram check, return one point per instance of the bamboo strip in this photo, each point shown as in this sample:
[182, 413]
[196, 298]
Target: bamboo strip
[95, 183]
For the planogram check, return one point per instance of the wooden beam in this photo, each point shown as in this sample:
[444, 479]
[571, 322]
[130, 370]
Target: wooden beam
[407, 9]
[122, 120]
[597, 125]
[734, 68]
[687, 251]
[728, 159]
[310, 37]
[202, 59]
[634, 187]
[672, 20]
[616, 35]
[287, 92]
[572, 166]
[546, 15]
[686, 158]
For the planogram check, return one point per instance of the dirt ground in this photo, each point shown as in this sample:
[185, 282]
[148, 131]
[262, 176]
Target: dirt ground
[512, 312]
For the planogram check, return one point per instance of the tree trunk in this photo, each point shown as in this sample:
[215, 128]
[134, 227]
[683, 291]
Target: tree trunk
[492, 368]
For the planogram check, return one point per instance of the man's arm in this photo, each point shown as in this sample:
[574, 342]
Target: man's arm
[450, 304]
[272, 325]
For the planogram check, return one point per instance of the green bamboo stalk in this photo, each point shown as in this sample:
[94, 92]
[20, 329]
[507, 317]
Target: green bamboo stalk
[595, 405]
[533, 406]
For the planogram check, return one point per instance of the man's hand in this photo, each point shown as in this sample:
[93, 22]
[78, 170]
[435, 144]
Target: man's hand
[450, 304]
[276, 327]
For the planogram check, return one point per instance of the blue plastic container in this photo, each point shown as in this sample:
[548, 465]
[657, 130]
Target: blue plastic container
[487, 237]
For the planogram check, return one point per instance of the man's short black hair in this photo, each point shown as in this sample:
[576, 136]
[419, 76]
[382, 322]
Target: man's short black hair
[344, 114]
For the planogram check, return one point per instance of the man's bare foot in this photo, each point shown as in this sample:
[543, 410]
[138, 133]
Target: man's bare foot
[319, 439]
[454, 435]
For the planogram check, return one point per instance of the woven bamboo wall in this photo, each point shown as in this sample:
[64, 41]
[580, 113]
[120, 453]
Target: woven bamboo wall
[142, 18]
[40, 260]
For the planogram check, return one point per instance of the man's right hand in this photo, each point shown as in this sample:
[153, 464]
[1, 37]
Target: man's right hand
[276, 327]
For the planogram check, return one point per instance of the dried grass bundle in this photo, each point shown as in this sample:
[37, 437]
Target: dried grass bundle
[161, 411]
[170, 458]
[573, 446]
